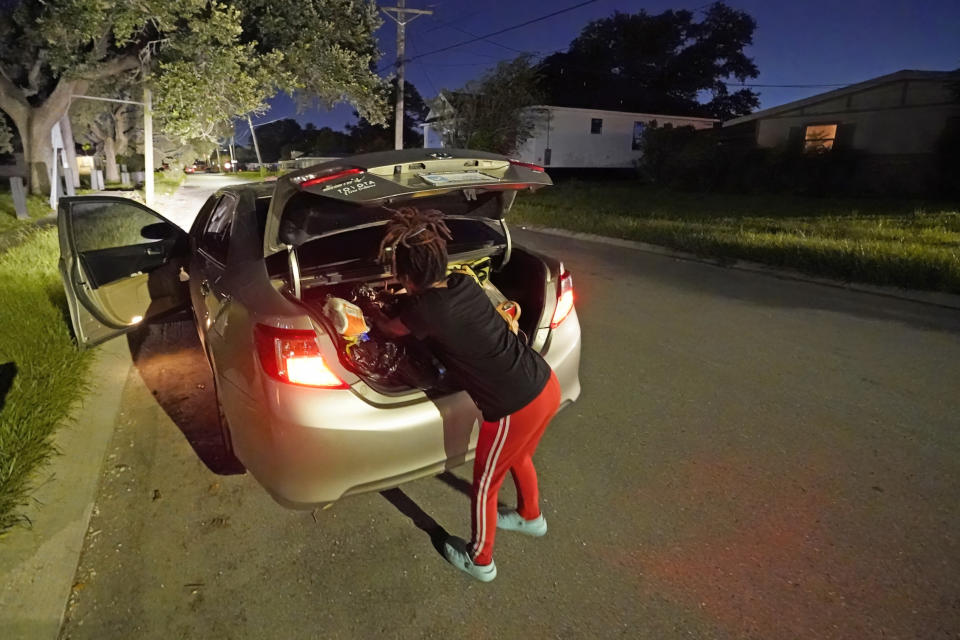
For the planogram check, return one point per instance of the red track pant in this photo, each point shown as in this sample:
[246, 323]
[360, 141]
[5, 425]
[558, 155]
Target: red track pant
[508, 445]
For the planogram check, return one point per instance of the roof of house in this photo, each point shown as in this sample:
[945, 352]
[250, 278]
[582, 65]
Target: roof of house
[898, 76]
[434, 114]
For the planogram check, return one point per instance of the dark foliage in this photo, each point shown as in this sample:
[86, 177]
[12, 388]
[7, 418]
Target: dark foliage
[366, 137]
[685, 159]
[657, 63]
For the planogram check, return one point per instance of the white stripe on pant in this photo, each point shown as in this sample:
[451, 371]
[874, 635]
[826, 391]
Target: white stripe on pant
[481, 511]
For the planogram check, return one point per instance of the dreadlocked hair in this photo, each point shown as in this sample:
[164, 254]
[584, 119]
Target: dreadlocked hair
[416, 245]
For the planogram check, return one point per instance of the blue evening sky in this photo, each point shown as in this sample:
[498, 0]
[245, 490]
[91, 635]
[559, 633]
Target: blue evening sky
[796, 42]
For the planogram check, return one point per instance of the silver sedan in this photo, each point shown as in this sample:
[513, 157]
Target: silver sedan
[313, 413]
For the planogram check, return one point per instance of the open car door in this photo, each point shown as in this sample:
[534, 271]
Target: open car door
[120, 263]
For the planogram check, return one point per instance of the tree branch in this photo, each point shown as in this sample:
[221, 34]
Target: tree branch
[111, 67]
[12, 100]
[32, 78]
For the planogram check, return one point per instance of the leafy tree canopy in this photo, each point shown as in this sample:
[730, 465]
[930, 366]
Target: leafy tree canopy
[657, 64]
[206, 60]
[491, 113]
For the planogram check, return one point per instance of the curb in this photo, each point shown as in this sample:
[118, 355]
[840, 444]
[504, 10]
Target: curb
[934, 298]
[39, 563]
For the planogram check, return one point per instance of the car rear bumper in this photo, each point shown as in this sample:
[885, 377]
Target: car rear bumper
[309, 447]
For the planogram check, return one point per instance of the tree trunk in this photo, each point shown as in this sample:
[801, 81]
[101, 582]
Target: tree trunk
[112, 171]
[34, 123]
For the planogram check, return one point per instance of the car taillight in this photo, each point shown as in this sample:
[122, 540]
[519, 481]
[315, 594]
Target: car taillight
[564, 298]
[309, 181]
[292, 355]
[528, 165]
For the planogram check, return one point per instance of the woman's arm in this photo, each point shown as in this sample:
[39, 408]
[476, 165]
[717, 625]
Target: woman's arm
[393, 327]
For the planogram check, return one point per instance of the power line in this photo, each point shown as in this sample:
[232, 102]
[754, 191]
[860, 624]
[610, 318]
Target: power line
[506, 29]
[473, 35]
[459, 18]
[427, 75]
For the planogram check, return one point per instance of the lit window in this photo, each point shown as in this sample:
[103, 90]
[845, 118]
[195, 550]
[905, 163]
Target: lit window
[819, 137]
[596, 125]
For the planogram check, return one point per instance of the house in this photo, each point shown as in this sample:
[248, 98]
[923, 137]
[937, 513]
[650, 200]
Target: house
[893, 122]
[570, 138]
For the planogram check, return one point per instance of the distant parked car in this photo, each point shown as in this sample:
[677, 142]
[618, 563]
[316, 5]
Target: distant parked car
[315, 416]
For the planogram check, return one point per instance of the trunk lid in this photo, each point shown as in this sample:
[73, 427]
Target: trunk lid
[362, 190]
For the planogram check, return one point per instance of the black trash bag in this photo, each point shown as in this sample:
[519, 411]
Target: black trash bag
[377, 359]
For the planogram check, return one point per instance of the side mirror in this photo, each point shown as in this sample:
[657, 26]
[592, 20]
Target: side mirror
[158, 231]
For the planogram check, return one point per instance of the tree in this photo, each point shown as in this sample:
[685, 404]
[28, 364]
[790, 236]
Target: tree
[492, 113]
[108, 126]
[6, 136]
[207, 61]
[367, 136]
[657, 64]
[274, 135]
[323, 141]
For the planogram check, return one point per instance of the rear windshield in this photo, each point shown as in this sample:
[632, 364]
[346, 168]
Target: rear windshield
[360, 248]
[307, 217]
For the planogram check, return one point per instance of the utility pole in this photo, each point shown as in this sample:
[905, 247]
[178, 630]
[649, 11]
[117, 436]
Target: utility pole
[256, 147]
[401, 15]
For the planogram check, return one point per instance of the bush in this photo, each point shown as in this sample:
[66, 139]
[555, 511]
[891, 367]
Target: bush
[690, 160]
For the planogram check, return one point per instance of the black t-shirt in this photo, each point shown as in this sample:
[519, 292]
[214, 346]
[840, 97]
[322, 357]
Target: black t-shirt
[466, 333]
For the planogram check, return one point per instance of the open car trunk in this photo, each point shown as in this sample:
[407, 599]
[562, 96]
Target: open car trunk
[327, 222]
[397, 365]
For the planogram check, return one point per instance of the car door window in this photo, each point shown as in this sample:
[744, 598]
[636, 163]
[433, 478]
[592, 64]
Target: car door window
[203, 215]
[108, 225]
[216, 235]
[116, 239]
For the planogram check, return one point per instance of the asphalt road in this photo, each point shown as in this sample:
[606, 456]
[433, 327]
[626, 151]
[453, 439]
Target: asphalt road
[751, 458]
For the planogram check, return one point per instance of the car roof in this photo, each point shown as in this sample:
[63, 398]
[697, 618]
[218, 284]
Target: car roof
[259, 189]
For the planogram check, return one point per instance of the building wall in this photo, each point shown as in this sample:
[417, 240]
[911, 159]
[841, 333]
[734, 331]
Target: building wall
[567, 133]
[905, 117]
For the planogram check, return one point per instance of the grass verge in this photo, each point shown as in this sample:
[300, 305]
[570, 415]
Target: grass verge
[42, 372]
[37, 207]
[906, 243]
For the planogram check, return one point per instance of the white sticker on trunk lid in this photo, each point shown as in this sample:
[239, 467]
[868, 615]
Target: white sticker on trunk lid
[458, 177]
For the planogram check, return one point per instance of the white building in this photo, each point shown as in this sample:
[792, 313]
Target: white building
[565, 137]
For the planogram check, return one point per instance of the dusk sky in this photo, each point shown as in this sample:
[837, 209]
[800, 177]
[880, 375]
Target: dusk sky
[812, 42]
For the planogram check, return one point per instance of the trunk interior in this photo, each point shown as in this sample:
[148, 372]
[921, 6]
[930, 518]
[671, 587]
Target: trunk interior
[394, 366]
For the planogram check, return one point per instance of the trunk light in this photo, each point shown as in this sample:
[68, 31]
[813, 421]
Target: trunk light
[564, 298]
[311, 181]
[292, 355]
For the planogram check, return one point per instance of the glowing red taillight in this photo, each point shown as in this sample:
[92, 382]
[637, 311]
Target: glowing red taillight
[528, 165]
[564, 298]
[333, 176]
[292, 355]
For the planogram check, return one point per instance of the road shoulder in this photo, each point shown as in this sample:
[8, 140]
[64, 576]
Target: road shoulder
[936, 298]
